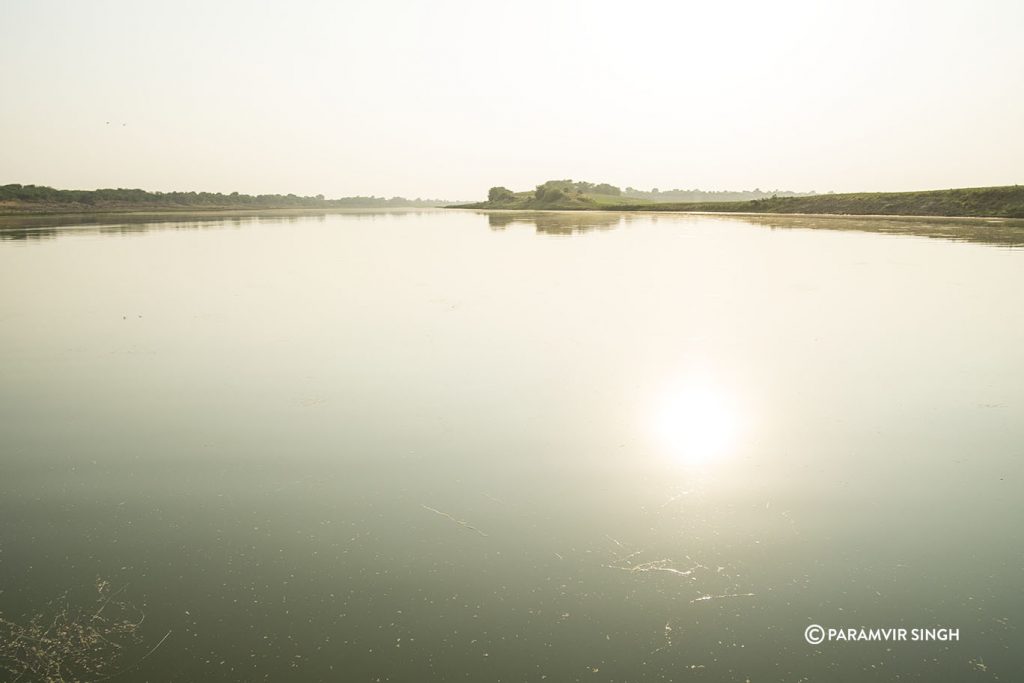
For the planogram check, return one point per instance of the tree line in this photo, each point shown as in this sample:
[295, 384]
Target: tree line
[39, 194]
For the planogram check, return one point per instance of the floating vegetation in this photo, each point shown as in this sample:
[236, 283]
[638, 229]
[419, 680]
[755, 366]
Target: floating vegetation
[65, 643]
[461, 523]
[705, 598]
[625, 563]
[659, 566]
[667, 633]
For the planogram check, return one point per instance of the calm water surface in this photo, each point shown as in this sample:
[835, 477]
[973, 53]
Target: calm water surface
[459, 446]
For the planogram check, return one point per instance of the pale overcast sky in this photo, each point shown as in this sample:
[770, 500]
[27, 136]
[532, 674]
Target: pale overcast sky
[446, 98]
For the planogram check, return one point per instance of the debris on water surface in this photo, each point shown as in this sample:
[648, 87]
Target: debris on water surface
[704, 598]
[466, 525]
[658, 566]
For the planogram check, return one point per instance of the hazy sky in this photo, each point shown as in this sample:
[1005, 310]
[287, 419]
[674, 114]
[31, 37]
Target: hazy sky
[446, 98]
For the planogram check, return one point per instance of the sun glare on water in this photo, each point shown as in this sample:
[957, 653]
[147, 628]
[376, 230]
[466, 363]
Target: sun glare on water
[697, 424]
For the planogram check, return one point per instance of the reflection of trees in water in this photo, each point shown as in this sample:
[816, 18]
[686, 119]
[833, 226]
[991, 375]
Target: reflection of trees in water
[28, 227]
[127, 229]
[1005, 232]
[558, 223]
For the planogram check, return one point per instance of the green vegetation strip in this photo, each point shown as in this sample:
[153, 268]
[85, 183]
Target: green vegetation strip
[23, 199]
[995, 202]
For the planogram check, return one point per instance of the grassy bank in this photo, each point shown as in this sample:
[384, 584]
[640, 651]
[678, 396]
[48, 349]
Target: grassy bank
[996, 202]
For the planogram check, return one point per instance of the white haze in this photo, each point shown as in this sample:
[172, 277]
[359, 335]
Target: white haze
[447, 98]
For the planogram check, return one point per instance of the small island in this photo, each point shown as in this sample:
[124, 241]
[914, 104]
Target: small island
[567, 195]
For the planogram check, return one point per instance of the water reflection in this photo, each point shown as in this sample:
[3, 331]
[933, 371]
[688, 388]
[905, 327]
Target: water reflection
[32, 227]
[683, 441]
[995, 231]
[558, 222]
[1006, 232]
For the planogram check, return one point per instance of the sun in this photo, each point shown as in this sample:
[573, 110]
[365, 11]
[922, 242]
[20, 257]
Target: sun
[697, 424]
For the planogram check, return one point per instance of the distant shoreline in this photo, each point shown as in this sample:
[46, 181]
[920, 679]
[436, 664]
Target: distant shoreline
[46, 203]
[38, 199]
[219, 211]
[28, 210]
[980, 202]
